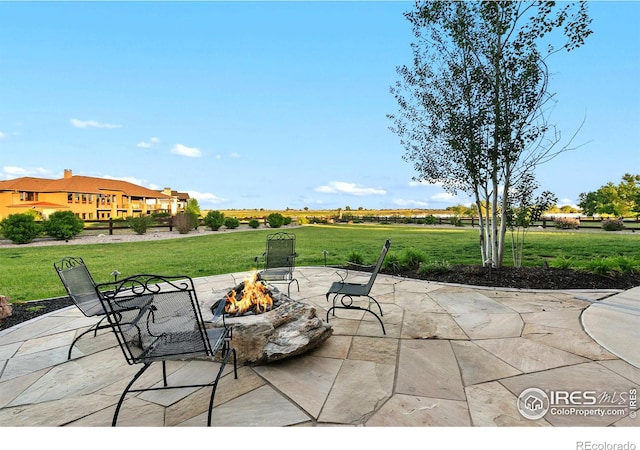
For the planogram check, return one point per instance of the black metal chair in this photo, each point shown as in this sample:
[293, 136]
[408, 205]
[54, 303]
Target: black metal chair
[279, 260]
[169, 327]
[81, 288]
[345, 291]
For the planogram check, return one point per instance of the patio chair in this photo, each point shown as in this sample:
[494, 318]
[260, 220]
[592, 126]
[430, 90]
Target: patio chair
[81, 288]
[345, 291]
[279, 260]
[169, 328]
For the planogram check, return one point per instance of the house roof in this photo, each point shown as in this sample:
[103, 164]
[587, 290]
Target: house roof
[80, 184]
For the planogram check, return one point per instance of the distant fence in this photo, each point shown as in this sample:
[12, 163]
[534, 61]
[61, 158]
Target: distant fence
[111, 225]
[547, 222]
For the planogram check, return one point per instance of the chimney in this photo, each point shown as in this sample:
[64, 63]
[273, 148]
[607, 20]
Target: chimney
[68, 173]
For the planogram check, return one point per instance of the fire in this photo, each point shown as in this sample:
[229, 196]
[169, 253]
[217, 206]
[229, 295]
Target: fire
[254, 295]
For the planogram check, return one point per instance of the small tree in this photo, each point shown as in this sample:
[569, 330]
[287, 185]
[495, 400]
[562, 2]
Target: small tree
[231, 223]
[214, 220]
[63, 225]
[523, 211]
[140, 224]
[20, 228]
[275, 220]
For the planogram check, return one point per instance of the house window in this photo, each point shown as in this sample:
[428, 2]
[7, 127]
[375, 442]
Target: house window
[77, 197]
[69, 197]
[28, 196]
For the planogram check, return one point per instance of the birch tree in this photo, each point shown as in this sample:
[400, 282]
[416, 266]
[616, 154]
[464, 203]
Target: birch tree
[474, 104]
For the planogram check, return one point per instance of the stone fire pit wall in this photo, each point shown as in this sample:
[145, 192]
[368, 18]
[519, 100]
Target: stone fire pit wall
[290, 329]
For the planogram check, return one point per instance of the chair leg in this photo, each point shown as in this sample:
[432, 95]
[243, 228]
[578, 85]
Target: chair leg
[227, 353]
[350, 305]
[93, 328]
[126, 390]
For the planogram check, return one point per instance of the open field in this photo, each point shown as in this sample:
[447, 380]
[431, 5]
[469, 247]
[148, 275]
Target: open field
[28, 274]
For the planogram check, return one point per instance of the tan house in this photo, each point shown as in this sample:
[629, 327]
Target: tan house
[89, 198]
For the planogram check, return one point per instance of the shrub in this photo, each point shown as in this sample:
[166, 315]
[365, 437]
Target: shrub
[456, 221]
[140, 224]
[392, 263]
[603, 266]
[63, 225]
[411, 258]
[355, 257]
[627, 264]
[430, 220]
[566, 223]
[183, 223]
[20, 228]
[254, 223]
[434, 267]
[275, 220]
[214, 220]
[231, 223]
[562, 262]
[302, 220]
[286, 220]
[612, 225]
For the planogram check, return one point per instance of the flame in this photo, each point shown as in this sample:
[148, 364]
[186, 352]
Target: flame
[254, 293]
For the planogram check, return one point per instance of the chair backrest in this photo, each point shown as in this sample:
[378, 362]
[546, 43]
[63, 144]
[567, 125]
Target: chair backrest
[163, 322]
[79, 284]
[281, 251]
[376, 269]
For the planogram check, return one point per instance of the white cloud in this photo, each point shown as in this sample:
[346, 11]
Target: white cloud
[402, 203]
[143, 144]
[17, 172]
[206, 197]
[183, 150]
[235, 155]
[2, 135]
[342, 187]
[443, 197]
[92, 124]
[132, 180]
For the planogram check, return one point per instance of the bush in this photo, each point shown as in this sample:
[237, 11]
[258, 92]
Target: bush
[214, 220]
[140, 224]
[430, 220]
[20, 228]
[434, 267]
[392, 263]
[411, 258]
[566, 223]
[275, 220]
[286, 220]
[183, 222]
[231, 223]
[254, 223]
[562, 262]
[612, 225]
[355, 257]
[63, 225]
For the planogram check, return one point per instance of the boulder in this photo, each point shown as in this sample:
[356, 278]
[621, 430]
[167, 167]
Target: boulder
[290, 329]
[5, 307]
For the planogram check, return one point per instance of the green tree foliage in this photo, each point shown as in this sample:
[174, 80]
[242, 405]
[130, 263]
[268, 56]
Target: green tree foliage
[140, 224]
[473, 105]
[193, 207]
[63, 225]
[622, 200]
[231, 223]
[275, 220]
[20, 228]
[214, 220]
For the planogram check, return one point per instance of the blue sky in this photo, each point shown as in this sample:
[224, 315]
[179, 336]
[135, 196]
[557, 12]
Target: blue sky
[270, 104]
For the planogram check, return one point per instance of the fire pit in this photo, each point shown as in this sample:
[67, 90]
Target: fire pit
[267, 324]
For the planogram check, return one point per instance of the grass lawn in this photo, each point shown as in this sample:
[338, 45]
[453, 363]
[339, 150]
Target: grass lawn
[28, 274]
